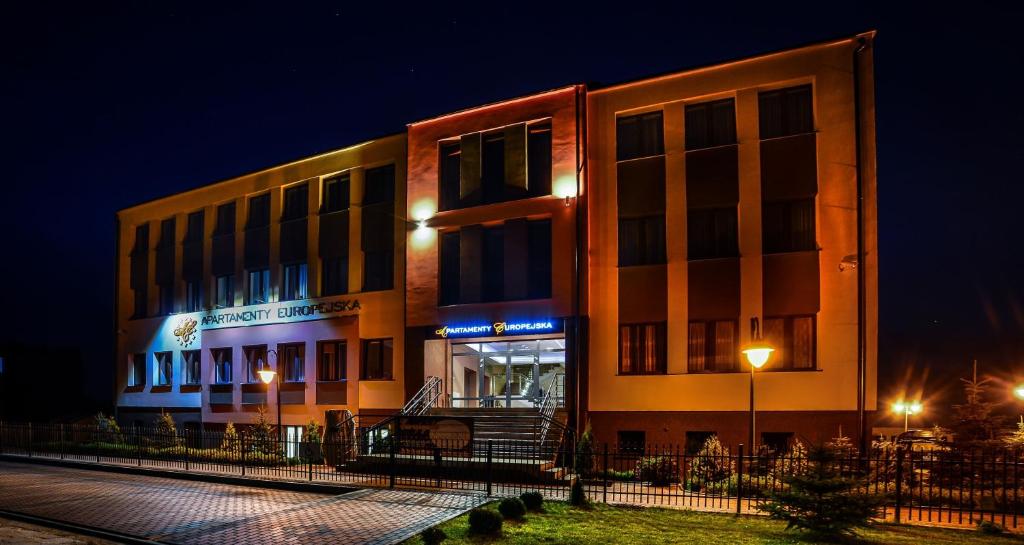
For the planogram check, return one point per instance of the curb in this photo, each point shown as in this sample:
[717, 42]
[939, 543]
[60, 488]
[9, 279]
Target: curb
[90, 531]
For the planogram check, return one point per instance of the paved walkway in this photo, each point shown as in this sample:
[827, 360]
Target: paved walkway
[190, 512]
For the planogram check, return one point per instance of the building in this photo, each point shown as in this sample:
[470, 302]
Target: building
[597, 249]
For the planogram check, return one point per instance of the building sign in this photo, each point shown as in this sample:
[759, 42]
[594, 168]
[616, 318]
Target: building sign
[275, 313]
[185, 332]
[499, 329]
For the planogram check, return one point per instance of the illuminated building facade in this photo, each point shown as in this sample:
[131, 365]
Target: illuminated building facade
[603, 247]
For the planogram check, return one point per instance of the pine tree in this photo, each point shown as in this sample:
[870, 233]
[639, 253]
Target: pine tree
[166, 431]
[821, 500]
[1016, 438]
[712, 463]
[975, 424]
[264, 440]
[229, 441]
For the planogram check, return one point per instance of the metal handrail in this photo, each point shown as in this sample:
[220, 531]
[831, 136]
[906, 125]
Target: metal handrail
[425, 398]
[549, 404]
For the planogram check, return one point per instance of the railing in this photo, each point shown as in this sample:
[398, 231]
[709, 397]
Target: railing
[933, 486]
[551, 402]
[425, 399]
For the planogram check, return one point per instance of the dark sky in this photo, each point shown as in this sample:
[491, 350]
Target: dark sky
[106, 107]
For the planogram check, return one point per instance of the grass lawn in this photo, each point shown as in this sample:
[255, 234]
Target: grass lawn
[602, 524]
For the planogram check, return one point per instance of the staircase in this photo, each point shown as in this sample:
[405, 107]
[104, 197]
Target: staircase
[513, 433]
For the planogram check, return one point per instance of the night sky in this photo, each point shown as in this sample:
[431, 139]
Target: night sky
[104, 108]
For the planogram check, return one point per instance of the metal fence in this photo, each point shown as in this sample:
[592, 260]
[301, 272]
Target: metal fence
[939, 486]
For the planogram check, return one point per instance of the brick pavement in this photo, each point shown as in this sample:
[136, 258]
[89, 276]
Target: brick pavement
[190, 512]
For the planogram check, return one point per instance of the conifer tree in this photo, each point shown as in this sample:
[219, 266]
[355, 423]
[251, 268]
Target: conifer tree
[975, 423]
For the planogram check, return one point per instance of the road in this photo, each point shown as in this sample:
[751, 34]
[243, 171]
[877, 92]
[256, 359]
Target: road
[189, 512]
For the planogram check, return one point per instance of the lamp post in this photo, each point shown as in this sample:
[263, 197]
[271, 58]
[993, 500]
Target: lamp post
[907, 409]
[267, 375]
[757, 353]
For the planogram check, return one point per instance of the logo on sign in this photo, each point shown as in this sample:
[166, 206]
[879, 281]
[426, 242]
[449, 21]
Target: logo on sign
[186, 331]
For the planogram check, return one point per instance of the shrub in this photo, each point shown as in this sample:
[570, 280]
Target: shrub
[166, 431]
[712, 463]
[512, 508]
[229, 441]
[107, 429]
[584, 459]
[577, 495]
[433, 536]
[264, 437]
[533, 501]
[988, 527]
[484, 521]
[659, 470]
[313, 432]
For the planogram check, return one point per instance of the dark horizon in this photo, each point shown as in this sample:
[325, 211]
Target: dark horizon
[108, 109]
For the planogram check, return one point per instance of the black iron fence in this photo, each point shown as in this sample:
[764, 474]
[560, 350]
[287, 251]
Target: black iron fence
[926, 484]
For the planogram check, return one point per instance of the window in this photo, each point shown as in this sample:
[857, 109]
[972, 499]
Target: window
[777, 442]
[221, 365]
[539, 267]
[634, 442]
[450, 165]
[642, 349]
[378, 271]
[711, 233]
[493, 264]
[296, 202]
[190, 366]
[695, 440]
[335, 276]
[138, 372]
[332, 361]
[377, 354]
[710, 124]
[139, 281]
[793, 338]
[785, 112]
[225, 291]
[642, 241]
[538, 158]
[164, 368]
[639, 136]
[294, 283]
[166, 299]
[139, 303]
[492, 166]
[292, 362]
[712, 346]
[259, 211]
[788, 226]
[225, 219]
[378, 229]
[255, 361]
[258, 291]
[449, 274]
[335, 194]
[293, 441]
[193, 296]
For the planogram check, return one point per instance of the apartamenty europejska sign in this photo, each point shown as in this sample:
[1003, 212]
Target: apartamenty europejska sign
[187, 326]
[499, 329]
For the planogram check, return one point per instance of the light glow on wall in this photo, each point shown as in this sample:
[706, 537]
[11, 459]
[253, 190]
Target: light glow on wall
[423, 209]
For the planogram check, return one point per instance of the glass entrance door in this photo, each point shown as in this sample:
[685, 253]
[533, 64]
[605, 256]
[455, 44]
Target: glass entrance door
[512, 373]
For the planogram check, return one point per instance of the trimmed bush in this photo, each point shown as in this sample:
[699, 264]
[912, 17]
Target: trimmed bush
[658, 470]
[534, 501]
[512, 508]
[433, 536]
[988, 527]
[577, 495]
[484, 521]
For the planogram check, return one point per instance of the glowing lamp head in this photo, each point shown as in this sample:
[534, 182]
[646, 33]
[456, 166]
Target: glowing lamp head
[757, 354]
[266, 375]
[915, 408]
[904, 407]
[1019, 391]
[899, 407]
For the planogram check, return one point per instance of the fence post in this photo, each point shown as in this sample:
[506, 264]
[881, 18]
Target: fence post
[241, 445]
[138, 444]
[392, 456]
[490, 457]
[739, 479]
[29, 439]
[309, 457]
[604, 496]
[899, 483]
[186, 439]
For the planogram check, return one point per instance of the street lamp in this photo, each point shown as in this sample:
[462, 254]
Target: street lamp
[267, 375]
[907, 409]
[1019, 391]
[757, 353]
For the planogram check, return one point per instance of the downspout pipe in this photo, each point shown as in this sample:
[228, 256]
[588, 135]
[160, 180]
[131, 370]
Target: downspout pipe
[117, 304]
[862, 419]
[577, 292]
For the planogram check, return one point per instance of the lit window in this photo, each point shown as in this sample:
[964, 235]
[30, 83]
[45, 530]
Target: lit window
[191, 365]
[193, 296]
[138, 371]
[255, 360]
[259, 287]
[225, 291]
[712, 346]
[294, 286]
[221, 365]
[292, 362]
[331, 366]
[164, 368]
[377, 355]
[642, 349]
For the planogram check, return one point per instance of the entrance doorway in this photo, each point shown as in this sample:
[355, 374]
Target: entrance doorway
[508, 373]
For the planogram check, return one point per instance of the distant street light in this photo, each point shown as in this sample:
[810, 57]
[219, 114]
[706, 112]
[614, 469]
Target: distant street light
[757, 353]
[907, 409]
[1019, 391]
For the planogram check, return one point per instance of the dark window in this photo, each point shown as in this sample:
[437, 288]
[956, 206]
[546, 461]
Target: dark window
[194, 227]
[494, 264]
[695, 440]
[139, 280]
[380, 185]
[292, 362]
[788, 226]
[794, 341]
[538, 158]
[377, 355]
[710, 124]
[139, 302]
[221, 365]
[164, 368]
[378, 241]
[166, 299]
[258, 290]
[642, 349]
[777, 442]
[639, 136]
[450, 164]
[632, 441]
[332, 361]
[642, 241]
[190, 366]
[378, 271]
[296, 202]
[711, 233]
[492, 168]
[539, 268]
[255, 361]
[786, 112]
[138, 375]
[335, 276]
[225, 219]
[711, 346]
[225, 296]
[449, 268]
[293, 285]
[193, 296]
[259, 211]
[336, 193]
